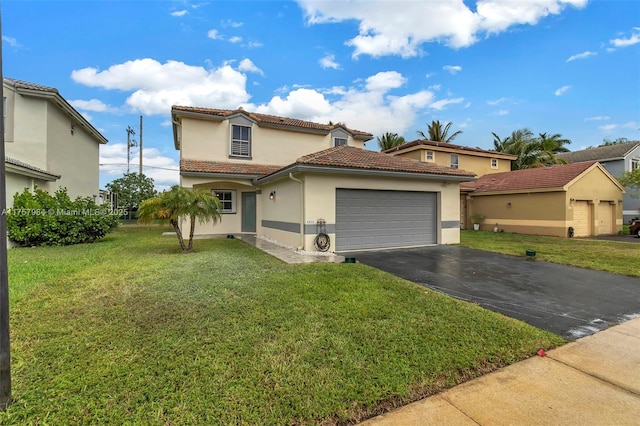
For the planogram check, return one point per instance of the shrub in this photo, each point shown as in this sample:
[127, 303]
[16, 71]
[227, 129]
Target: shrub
[40, 218]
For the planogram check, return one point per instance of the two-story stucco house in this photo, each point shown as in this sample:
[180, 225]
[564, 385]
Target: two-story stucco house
[287, 180]
[617, 159]
[47, 142]
[476, 160]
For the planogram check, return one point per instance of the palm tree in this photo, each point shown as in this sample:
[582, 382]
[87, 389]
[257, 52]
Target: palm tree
[178, 203]
[389, 140]
[437, 133]
[531, 151]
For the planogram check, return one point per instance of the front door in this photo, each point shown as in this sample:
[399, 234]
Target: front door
[248, 212]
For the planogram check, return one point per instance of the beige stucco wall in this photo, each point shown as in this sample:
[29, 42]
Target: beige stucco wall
[39, 134]
[16, 183]
[320, 203]
[480, 165]
[208, 140]
[27, 141]
[283, 211]
[552, 213]
[230, 223]
[74, 157]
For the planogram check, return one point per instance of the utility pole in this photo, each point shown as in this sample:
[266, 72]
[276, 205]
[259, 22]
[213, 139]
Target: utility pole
[130, 143]
[140, 146]
[5, 349]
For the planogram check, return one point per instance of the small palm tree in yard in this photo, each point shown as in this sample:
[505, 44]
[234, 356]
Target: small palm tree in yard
[195, 204]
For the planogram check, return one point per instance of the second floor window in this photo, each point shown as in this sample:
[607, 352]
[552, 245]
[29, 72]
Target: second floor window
[240, 141]
[429, 155]
[494, 163]
[454, 161]
[339, 141]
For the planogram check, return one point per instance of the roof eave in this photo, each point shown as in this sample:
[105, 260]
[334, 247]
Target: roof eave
[516, 191]
[25, 171]
[300, 168]
[220, 175]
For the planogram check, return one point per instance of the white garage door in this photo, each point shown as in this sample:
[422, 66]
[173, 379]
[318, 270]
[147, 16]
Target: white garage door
[605, 218]
[581, 219]
[367, 219]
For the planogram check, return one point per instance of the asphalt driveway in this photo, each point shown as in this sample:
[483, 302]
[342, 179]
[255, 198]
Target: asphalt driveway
[569, 301]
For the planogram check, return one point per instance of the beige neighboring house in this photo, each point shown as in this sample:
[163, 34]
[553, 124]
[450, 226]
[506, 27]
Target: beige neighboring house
[476, 160]
[48, 144]
[548, 200]
[479, 161]
[287, 180]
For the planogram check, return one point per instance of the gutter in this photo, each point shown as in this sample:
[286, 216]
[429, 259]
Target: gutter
[301, 209]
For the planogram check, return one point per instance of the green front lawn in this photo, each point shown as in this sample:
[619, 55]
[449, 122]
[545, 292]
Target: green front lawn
[131, 331]
[610, 256]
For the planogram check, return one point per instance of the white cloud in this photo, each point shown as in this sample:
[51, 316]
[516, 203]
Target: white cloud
[497, 101]
[582, 55]
[435, 87]
[369, 105]
[503, 112]
[235, 39]
[157, 86]
[254, 44]
[608, 127]
[11, 41]
[625, 42]
[232, 24]
[598, 118]
[179, 13]
[439, 105]
[631, 125]
[452, 69]
[388, 29]
[214, 35]
[162, 169]
[329, 61]
[95, 105]
[247, 65]
[561, 91]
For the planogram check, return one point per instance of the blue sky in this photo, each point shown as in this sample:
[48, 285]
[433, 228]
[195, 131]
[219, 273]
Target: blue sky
[558, 66]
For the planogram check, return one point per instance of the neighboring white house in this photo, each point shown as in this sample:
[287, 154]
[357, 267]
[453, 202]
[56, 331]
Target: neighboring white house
[48, 143]
[288, 180]
[617, 159]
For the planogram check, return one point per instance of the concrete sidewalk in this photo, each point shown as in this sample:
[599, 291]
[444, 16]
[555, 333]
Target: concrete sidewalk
[592, 381]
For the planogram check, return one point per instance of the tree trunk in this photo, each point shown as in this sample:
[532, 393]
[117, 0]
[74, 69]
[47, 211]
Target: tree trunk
[192, 229]
[176, 228]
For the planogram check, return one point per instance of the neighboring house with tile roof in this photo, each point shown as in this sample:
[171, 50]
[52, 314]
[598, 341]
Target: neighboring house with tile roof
[548, 200]
[47, 142]
[617, 159]
[476, 160]
[287, 180]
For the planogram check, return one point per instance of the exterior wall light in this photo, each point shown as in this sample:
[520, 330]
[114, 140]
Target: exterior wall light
[272, 196]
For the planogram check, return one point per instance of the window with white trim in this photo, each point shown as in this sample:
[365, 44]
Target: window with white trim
[339, 141]
[635, 164]
[430, 156]
[494, 163]
[454, 161]
[240, 141]
[227, 200]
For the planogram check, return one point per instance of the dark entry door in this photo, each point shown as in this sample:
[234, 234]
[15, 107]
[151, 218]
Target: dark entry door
[248, 212]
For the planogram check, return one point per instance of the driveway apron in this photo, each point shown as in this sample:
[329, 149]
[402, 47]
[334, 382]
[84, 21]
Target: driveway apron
[569, 301]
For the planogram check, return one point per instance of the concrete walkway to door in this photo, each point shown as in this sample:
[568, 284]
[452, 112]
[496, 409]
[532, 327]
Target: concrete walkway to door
[592, 381]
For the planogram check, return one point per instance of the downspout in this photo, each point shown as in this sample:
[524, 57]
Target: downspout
[301, 209]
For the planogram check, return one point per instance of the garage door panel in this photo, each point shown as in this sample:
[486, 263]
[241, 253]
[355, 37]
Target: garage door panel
[581, 219]
[383, 219]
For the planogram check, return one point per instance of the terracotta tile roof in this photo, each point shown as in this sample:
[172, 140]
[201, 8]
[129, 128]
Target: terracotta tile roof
[251, 170]
[528, 179]
[273, 120]
[610, 152]
[423, 142]
[31, 86]
[355, 158]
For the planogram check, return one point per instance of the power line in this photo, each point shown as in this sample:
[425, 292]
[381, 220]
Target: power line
[127, 164]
